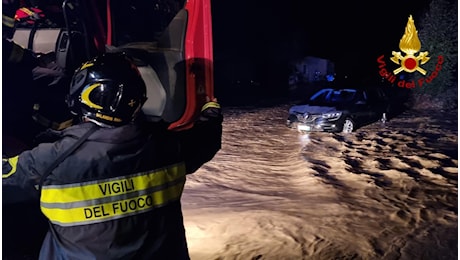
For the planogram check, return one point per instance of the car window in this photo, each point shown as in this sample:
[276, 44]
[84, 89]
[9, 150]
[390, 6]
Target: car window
[360, 96]
[341, 96]
[321, 95]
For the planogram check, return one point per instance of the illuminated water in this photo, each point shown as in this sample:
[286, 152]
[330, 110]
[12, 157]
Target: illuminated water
[385, 192]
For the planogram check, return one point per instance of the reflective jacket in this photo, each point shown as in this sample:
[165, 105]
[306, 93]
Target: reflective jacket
[118, 195]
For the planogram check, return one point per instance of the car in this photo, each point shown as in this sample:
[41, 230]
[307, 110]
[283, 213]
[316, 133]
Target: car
[344, 110]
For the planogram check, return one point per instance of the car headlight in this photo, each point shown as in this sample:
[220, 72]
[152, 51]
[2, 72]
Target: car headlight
[332, 116]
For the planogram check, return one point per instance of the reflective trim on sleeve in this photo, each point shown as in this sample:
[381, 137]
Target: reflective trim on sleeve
[109, 199]
[7, 21]
[12, 162]
[210, 104]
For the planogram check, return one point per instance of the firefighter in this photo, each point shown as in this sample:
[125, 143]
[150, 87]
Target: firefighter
[24, 75]
[19, 88]
[29, 79]
[110, 186]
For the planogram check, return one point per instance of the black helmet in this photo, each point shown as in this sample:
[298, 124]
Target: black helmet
[107, 90]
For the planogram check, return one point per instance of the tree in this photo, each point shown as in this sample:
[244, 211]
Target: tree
[439, 34]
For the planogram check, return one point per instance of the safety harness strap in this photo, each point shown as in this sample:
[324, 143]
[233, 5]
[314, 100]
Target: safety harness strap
[67, 153]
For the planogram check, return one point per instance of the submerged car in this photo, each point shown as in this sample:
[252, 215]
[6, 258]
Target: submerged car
[339, 110]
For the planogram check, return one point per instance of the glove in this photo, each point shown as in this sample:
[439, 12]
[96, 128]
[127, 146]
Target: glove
[210, 110]
[18, 55]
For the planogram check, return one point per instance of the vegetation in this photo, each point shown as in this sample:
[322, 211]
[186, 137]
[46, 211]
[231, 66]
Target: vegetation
[438, 33]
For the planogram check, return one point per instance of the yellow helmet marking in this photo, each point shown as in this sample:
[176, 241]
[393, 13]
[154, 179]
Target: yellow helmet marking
[85, 96]
[108, 118]
[86, 65]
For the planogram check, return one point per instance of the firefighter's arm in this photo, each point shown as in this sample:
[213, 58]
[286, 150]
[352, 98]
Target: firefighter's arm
[201, 143]
[21, 176]
[15, 54]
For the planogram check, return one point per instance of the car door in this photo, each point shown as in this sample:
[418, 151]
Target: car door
[171, 42]
[378, 102]
[362, 108]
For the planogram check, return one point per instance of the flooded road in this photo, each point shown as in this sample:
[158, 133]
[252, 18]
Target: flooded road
[384, 192]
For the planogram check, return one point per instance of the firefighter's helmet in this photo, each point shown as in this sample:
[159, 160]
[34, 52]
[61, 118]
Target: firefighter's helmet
[107, 90]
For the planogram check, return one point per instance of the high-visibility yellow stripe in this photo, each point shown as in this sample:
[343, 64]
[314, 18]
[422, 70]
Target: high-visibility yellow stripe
[96, 213]
[93, 190]
[13, 163]
[94, 202]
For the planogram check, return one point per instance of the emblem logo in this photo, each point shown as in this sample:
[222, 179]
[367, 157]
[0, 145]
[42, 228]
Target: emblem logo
[409, 62]
[410, 45]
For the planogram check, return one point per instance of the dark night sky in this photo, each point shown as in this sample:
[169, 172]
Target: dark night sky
[292, 28]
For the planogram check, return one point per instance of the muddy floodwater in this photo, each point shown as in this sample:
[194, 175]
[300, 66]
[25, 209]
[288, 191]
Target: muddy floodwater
[386, 191]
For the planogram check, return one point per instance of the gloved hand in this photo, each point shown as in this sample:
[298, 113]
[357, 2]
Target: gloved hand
[210, 110]
[18, 55]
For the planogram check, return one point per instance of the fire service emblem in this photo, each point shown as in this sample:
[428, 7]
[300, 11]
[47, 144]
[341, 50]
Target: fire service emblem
[410, 45]
[409, 61]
